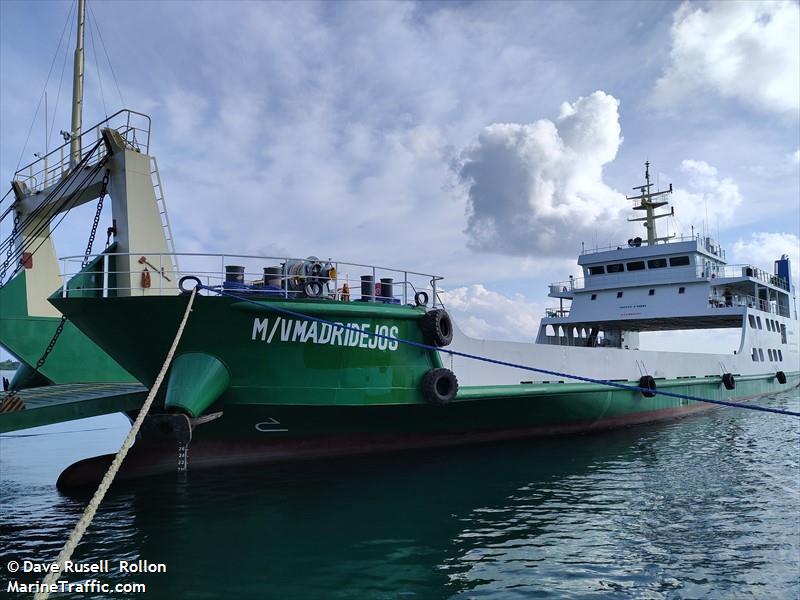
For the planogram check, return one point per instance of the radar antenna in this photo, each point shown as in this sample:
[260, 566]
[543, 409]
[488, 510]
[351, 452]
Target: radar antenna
[646, 201]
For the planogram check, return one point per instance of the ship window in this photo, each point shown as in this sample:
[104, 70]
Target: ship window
[783, 333]
[651, 293]
[597, 270]
[760, 355]
[657, 263]
[755, 355]
[752, 320]
[594, 296]
[619, 294]
[636, 266]
[780, 355]
[769, 354]
[769, 324]
[616, 268]
[758, 321]
[678, 261]
[681, 290]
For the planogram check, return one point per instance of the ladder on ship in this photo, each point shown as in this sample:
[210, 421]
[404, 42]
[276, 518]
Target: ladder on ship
[162, 209]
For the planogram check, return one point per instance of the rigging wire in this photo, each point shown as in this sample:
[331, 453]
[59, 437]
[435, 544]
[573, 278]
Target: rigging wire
[56, 190]
[53, 211]
[44, 88]
[60, 82]
[108, 58]
[64, 214]
[51, 208]
[97, 66]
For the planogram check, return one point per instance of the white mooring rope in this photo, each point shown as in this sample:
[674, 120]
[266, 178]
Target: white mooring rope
[108, 478]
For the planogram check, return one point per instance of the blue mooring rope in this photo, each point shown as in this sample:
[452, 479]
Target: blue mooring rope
[632, 388]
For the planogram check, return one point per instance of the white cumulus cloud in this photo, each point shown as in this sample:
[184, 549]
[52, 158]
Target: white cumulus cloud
[538, 188]
[486, 314]
[747, 51]
[704, 196]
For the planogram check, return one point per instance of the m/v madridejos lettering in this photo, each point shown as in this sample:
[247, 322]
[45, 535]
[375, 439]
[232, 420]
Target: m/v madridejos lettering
[353, 335]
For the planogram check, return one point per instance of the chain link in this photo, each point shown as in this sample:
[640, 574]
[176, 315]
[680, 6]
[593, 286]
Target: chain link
[10, 252]
[96, 222]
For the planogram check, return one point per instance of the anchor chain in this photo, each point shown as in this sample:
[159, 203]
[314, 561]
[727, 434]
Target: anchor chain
[96, 222]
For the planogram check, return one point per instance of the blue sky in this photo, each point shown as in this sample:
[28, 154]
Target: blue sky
[482, 141]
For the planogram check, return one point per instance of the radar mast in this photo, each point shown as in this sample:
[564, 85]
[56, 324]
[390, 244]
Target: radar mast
[647, 201]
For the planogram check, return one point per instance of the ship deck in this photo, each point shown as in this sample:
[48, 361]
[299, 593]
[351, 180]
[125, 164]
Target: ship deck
[66, 402]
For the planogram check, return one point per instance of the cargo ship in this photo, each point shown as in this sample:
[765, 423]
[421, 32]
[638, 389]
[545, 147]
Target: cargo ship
[288, 358]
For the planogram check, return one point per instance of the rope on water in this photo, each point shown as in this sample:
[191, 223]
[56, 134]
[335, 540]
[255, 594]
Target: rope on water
[108, 478]
[605, 382]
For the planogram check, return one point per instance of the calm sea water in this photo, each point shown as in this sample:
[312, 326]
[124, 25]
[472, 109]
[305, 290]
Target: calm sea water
[703, 507]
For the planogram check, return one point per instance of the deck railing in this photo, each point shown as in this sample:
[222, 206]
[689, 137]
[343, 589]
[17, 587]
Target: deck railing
[113, 274]
[47, 170]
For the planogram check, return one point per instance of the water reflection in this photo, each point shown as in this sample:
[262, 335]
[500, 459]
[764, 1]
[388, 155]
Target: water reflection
[702, 507]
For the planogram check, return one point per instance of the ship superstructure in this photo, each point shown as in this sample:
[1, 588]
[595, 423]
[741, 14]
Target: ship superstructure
[671, 283]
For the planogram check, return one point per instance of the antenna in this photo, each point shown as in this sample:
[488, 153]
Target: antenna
[646, 202]
[77, 90]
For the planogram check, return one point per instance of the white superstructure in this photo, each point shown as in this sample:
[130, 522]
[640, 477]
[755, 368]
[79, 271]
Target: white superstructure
[655, 284]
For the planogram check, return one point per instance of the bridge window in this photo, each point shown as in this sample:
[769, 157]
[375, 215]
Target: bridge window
[636, 266]
[619, 294]
[616, 268]
[678, 261]
[681, 290]
[597, 270]
[752, 320]
[657, 263]
[651, 293]
[760, 355]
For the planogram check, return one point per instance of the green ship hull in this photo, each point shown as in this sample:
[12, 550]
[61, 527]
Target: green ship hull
[294, 393]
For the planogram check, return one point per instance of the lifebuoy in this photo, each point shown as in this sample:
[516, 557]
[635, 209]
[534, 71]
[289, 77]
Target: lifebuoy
[439, 386]
[780, 376]
[648, 385]
[437, 328]
[728, 381]
[421, 299]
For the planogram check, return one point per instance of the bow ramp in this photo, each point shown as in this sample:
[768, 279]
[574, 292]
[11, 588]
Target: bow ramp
[58, 403]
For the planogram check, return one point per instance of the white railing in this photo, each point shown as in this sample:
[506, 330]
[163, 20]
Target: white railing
[705, 242]
[134, 127]
[287, 277]
[737, 300]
